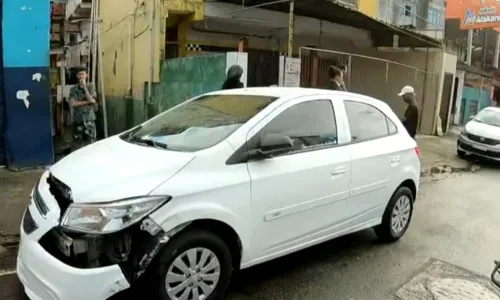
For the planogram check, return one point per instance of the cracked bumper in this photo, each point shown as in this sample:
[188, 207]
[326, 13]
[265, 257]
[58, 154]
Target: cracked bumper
[46, 278]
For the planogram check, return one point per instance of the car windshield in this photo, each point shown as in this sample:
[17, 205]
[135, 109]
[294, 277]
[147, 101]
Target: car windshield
[198, 124]
[488, 116]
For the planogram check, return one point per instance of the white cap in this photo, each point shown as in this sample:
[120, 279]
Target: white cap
[407, 90]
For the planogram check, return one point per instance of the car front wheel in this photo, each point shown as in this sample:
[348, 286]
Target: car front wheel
[397, 216]
[195, 265]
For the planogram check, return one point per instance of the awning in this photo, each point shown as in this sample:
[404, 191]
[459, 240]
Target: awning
[382, 33]
[473, 70]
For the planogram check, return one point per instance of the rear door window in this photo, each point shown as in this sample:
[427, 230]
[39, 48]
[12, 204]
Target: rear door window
[367, 122]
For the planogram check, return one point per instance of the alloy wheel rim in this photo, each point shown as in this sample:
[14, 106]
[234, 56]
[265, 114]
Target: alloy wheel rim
[193, 275]
[400, 214]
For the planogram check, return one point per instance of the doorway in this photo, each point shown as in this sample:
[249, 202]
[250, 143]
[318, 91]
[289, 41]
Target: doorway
[263, 68]
[445, 100]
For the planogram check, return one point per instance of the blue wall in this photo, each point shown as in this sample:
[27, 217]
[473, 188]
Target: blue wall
[472, 96]
[26, 51]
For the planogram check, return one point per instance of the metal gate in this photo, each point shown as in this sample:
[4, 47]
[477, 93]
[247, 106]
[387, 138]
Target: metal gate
[2, 96]
[375, 77]
[263, 68]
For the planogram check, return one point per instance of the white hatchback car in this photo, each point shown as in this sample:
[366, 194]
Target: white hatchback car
[222, 182]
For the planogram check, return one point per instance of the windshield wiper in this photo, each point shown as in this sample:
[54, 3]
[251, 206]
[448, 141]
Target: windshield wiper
[148, 142]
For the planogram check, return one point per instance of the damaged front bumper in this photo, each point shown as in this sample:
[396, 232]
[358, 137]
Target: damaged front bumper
[45, 277]
[56, 265]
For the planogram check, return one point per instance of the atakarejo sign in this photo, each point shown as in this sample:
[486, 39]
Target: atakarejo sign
[480, 14]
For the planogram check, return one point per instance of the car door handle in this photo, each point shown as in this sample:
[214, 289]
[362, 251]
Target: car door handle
[339, 170]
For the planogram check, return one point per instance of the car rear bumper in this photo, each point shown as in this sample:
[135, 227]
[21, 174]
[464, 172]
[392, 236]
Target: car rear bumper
[44, 277]
[482, 150]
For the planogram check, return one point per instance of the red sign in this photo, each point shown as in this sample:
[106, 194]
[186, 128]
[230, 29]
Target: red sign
[475, 14]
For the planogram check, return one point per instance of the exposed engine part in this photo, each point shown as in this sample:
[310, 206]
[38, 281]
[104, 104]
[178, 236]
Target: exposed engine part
[118, 249]
[132, 249]
[93, 249]
[160, 241]
[150, 226]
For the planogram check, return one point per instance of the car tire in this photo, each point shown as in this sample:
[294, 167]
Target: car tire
[208, 247]
[461, 154]
[397, 216]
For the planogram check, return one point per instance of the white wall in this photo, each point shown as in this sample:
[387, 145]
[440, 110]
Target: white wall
[450, 66]
[241, 59]
[289, 71]
[461, 76]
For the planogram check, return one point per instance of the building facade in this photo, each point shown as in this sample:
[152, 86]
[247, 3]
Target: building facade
[132, 58]
[25, 126]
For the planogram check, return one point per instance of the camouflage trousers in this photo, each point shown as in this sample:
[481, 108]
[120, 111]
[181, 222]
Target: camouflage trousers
[84, 133]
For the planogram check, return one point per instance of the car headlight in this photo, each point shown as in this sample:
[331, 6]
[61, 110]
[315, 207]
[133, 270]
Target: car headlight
[463, 131]
[104, 218]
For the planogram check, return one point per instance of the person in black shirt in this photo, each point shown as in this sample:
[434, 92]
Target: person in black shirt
[335, 79]
[233, 78]
[410, 119]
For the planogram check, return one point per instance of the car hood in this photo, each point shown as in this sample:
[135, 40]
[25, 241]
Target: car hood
[484, 130]
[113, 169]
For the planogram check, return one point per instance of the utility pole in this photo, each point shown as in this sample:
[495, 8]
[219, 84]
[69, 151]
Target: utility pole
[485, 47]
[470, 35]
[148, 101]
[497, 51]
[291, 28]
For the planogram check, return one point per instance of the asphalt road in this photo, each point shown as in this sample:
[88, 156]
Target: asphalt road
[456, 220]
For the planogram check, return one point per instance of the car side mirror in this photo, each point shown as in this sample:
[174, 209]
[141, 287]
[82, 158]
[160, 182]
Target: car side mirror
[272, 144]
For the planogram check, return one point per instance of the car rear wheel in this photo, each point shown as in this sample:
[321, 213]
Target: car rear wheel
[397, 216]
[461, 154]
[195, 265]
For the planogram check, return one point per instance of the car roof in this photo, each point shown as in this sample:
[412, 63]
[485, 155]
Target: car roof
[280, 92]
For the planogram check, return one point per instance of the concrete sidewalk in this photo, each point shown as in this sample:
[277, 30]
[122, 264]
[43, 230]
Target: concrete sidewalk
[15, 189]
[437, 154]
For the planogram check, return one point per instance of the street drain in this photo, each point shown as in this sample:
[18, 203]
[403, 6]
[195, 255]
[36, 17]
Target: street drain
[459, 289]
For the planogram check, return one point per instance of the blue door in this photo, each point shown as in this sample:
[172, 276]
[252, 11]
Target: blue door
[2, 98]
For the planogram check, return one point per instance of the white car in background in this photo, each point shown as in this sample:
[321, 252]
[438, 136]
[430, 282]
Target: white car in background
[222, 182]
[481, 135]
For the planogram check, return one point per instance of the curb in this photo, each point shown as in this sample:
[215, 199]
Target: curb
[9, 240]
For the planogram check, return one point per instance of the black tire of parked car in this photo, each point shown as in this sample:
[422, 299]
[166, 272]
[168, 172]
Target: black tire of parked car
[196, 238]
[384, 230]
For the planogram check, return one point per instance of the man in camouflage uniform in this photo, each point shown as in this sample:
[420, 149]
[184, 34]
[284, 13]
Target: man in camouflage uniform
[83, 100]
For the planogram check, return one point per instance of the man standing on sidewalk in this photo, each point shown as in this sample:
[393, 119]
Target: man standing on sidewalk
[410, 119]
[335, 79]
[343, 68]
[83, 100]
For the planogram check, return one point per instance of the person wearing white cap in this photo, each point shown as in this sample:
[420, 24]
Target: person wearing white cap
[410, 119]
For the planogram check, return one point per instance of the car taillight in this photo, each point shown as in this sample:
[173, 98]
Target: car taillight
[417, 151]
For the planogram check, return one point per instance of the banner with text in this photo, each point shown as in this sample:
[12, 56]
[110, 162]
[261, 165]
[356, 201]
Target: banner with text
[479, 14]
